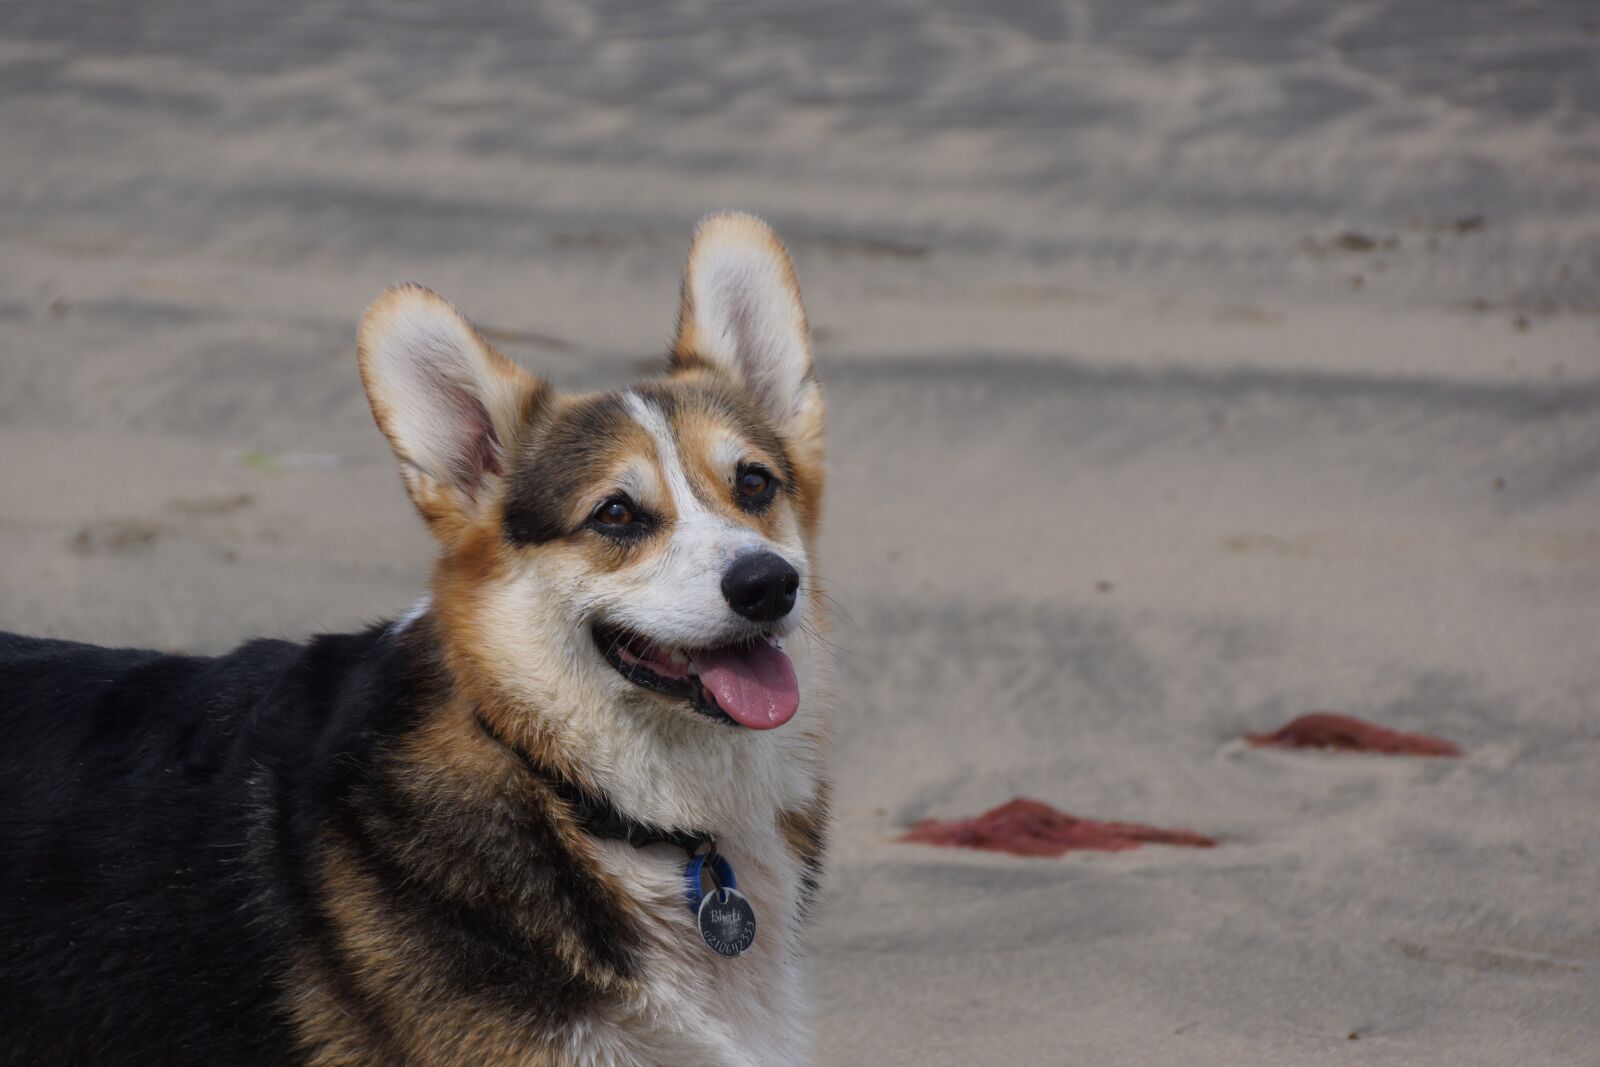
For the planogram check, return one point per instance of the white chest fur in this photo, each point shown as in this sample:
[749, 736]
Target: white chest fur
[697, 1007]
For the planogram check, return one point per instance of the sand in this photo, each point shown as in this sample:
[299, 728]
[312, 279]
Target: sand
[1191, 367]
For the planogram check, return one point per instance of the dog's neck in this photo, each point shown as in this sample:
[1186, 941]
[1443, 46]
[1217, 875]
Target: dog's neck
[670, 771]
[594, 812]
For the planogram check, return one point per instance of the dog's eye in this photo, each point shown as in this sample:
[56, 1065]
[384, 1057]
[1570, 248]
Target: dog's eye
[754, 488]
[615, 512]
[754, 482]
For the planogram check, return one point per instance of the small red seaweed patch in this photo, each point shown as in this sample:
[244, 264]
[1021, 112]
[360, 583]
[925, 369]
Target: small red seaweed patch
[1025, 827]
[1326, 729]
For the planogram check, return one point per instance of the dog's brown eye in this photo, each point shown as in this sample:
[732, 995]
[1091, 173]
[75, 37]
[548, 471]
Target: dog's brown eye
[753, 483]
[614, 513]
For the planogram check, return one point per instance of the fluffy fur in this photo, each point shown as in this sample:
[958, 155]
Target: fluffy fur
[347, 852]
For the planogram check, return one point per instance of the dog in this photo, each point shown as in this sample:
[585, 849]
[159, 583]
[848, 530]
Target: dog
[489, 831]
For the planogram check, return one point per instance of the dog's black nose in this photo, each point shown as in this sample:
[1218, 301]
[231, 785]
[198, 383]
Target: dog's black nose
[761, 586]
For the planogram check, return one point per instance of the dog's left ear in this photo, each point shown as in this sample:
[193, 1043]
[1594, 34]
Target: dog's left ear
[450, 404]
[742, 316]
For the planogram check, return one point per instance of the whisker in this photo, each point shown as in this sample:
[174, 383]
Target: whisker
[832, 601]
[617, 641]
[841, 612]
[813, 634]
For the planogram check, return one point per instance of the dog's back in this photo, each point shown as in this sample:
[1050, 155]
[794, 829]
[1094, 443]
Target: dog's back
[147, 889]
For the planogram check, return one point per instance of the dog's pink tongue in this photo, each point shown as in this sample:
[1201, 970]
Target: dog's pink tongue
[756, 686]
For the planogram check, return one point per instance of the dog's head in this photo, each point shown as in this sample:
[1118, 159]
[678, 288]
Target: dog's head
[647, 549]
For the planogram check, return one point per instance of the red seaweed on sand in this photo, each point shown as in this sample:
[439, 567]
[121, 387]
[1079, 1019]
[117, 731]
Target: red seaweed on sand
[1026, 827]
[1326, 729]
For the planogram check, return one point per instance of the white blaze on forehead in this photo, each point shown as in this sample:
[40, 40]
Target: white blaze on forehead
[655, 424]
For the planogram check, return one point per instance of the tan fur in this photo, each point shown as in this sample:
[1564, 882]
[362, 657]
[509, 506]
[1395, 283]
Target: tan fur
[423, 1022]
[699, 433]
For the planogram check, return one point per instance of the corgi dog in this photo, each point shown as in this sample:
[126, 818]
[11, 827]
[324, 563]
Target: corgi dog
[568, 810]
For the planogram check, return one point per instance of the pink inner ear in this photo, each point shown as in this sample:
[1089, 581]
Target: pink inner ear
[475, 449]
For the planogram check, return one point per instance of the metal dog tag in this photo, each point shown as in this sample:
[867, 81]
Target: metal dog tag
[727, 922]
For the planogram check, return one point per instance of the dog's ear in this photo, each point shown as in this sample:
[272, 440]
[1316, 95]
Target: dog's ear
[449, 403]
[741, 315]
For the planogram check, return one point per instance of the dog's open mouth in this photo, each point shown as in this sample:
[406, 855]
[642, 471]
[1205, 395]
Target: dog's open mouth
[751, 683]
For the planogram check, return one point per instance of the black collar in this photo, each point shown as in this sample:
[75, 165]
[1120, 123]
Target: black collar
[595, 813]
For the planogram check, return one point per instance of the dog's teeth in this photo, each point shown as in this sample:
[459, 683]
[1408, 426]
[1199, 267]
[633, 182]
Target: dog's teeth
[678, 657]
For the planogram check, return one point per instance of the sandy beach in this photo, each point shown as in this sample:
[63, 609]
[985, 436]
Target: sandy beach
[1191, 366]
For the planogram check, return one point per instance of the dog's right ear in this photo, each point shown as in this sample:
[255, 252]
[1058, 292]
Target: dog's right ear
[449, 403]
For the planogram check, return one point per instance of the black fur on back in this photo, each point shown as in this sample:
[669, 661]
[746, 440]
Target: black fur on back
[159, 819]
